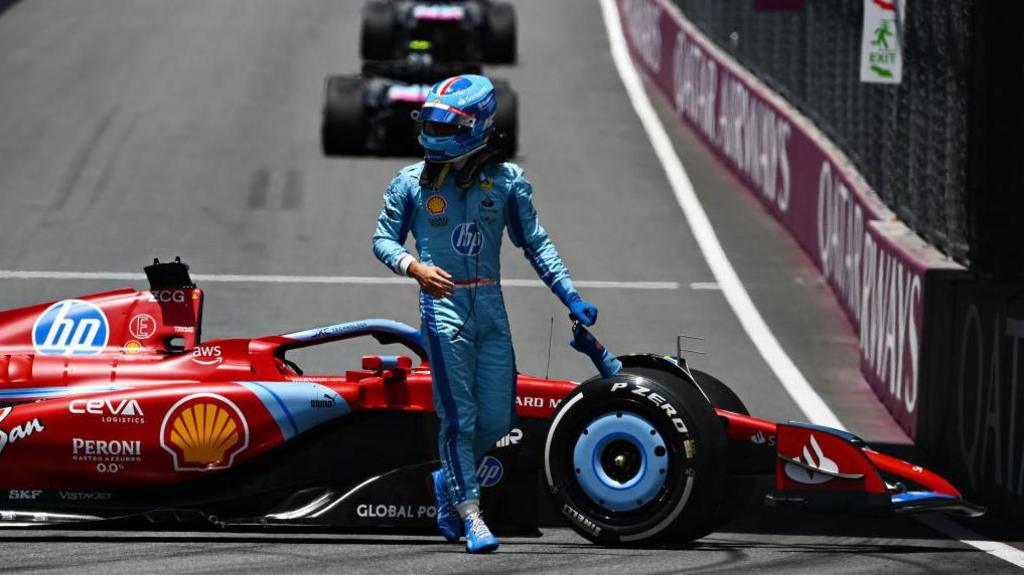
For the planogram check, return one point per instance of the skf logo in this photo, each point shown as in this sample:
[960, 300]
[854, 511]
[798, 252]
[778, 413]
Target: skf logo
[204, 431]
[71, 327]
[436, 205]
[490, 472]
[24, 493]
[207, 355]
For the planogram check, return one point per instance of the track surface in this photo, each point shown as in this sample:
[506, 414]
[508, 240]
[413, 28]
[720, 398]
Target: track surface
[130, 129]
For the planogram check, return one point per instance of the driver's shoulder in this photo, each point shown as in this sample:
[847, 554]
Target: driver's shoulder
[504, 176]
[407, 179]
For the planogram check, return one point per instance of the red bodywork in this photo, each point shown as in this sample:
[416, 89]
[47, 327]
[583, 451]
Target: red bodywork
[107, 420]
[865, 462]
[126, 395]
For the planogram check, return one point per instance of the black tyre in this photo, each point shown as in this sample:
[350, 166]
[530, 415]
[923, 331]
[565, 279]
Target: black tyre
[738, 488]
[506, 119]
[636, 459]
[499, 36]
[377, 41]
[720, 394]
[343, 128]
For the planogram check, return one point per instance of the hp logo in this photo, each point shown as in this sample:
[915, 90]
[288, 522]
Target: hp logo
[466, 239]
[490, 471]
[71, 327]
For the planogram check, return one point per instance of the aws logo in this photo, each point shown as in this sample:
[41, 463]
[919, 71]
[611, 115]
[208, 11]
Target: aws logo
[204, 431]
[207, 355]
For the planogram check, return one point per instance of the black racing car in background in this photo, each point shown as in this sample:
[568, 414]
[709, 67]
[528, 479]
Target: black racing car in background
[466, 30]
[370, 113]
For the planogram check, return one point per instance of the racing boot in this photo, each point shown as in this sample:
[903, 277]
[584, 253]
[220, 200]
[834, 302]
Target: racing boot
[478, 536]
[448, 522]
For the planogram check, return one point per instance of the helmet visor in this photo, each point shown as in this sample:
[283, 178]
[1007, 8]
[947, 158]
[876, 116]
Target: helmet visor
[444, 114]
[441, 130]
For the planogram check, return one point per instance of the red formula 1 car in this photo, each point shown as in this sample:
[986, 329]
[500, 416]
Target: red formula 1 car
[114, 412]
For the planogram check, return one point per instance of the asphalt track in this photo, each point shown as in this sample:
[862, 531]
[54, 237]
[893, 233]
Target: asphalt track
[138, 128]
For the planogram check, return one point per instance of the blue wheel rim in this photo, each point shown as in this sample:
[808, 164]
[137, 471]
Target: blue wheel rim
[620, 461]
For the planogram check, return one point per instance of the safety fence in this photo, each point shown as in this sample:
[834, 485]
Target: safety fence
[908, 140]
[938, 346]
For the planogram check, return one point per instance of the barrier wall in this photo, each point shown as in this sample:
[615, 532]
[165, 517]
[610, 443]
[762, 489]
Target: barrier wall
[973, 423]
[881, 272]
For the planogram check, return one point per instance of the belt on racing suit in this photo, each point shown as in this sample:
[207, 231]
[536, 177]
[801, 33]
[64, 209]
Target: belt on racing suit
[476, 282]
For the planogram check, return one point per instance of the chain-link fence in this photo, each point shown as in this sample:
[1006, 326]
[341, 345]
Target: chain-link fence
[909, 140]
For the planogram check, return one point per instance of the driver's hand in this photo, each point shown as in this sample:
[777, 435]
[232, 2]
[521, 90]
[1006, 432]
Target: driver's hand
[432, 279]
[584, 311]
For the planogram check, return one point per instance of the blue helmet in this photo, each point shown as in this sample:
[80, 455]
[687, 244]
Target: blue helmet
[457, 117]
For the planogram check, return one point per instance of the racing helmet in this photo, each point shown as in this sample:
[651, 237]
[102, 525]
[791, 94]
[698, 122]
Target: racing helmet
[457, 117]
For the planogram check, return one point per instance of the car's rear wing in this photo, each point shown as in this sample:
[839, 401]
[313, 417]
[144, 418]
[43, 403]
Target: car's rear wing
[418, 70]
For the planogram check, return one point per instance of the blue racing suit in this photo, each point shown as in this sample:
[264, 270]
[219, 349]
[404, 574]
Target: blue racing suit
[468, 338]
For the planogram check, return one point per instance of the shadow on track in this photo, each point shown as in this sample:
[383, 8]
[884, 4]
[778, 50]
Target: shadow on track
[715, 542]
[5, 4]
[210, 539]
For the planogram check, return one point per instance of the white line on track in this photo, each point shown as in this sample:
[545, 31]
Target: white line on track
[793, 381]
[951, 528]
[806, 398]
[290, 279]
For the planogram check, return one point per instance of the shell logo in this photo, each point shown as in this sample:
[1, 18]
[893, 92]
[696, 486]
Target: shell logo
[204, 432]
[436, 205]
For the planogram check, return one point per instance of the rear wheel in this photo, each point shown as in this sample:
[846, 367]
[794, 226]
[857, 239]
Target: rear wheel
[377, 41]
[499, 37]
[636, 459]
[506, 118]
[343, 128]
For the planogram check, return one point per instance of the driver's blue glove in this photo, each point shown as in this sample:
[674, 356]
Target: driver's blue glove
[578, 307]
[583, 341]
[583, 310]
